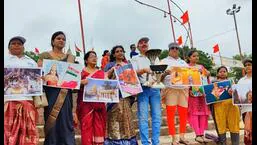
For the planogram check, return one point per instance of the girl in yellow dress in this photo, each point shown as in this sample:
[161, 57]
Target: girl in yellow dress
[225, 114]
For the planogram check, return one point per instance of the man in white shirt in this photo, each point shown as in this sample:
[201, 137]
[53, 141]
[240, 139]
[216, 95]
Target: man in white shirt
[149, 96]
[23, 130]
[175, 96]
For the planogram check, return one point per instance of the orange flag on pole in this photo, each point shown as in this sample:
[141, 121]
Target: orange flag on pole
[185, 18]
[216, 48]
[180, 40]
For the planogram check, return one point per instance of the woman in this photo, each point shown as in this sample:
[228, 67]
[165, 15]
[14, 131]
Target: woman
[52, 77]
[198, 111]
[247, 110]
[120, 127]
[58, 114]
[226, 115]
[20, 113]
[105, 59]
[92, 115]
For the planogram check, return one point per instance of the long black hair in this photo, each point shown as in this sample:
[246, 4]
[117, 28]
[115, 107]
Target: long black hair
[219, 68]
[87, 55]
[189, 54]
[105, 52]
[55, 35]
[112, 58]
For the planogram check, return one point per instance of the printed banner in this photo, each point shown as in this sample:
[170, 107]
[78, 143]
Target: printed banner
[99, 90]
[242, 94]
[22, 82]
[197, 91]
[185, 76]
[217, 92]
[61, 74]
[128, 81]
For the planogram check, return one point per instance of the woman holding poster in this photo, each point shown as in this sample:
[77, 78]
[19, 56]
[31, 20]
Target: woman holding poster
[226, 115]
[198, 111]
[58, 114]
[247, 110]
[120, 127]
[20, 112]
[92, 115]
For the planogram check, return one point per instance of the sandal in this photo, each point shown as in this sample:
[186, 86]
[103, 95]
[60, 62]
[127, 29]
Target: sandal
[206, 140]
[183, 141]
[199, 139]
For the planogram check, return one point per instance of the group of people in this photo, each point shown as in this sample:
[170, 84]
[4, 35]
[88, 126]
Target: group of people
[112, 123]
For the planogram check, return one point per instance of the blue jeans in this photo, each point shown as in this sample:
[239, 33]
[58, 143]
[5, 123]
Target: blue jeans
[152, 96]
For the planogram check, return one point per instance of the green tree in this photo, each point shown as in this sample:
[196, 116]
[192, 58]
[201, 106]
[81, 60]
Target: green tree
[236, 72]
[164, 54]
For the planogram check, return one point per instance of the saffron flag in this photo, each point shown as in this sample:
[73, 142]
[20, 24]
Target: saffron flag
[216, 48]
[185, 18]
[36, 51]
[179, 40]
[77, 50]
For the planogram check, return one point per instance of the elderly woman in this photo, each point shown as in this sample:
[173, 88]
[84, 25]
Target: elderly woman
[19, 111]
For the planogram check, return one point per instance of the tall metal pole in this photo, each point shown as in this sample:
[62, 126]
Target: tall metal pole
[171, 22]
[81, 27]
[220, 58]
[190, 30]
[239, 46]
[189, 26]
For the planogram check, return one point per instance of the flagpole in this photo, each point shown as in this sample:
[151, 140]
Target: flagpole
[220, 58]
[81, 27]
[191, 37]
[172, 27]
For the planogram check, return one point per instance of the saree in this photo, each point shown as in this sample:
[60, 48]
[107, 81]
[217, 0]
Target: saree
[20, 123]
[91, 115]
[62, 131]
[120, 126]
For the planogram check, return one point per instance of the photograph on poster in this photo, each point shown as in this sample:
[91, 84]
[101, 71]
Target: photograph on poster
[61, 74]
[22, 81]
[242, 94]
[99, 90]
[217, 92]
[128, 81]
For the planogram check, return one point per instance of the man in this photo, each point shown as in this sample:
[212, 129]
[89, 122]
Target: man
[175, 96]
[133, 50]
[19, 128]
[149, 96]
[247, 110]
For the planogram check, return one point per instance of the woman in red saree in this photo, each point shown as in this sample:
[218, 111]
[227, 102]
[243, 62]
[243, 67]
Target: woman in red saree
[92, 116]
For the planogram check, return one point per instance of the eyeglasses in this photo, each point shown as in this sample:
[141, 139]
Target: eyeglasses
[174, 48]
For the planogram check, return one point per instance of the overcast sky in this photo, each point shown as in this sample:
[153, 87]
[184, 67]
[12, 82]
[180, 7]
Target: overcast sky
[111, 22]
